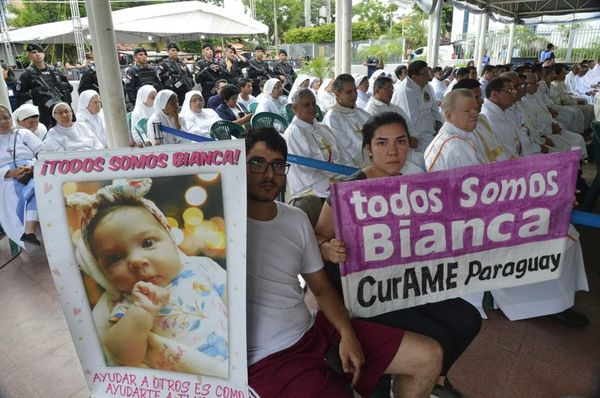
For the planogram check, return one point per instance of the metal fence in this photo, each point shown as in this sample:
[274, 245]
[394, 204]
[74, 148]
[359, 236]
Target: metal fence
[527, 46]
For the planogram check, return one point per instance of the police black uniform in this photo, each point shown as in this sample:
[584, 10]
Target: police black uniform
[175, 76]
[257, 71]
[235, 72]
[137, 76]
[89, 80]
[45, 87]
[208, 72]
[285, 69]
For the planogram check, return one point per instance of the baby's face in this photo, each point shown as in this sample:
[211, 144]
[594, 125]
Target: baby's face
[132, 246]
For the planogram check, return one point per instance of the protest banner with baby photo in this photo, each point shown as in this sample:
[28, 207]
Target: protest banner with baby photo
[424, 238]
[147, 251]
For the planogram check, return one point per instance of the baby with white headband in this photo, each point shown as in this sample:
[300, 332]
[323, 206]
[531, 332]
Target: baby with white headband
[161, 309]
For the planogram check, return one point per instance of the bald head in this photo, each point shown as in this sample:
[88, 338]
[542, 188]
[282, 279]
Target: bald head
[461, 109]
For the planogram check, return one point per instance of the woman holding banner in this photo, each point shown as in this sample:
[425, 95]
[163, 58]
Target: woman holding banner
[453, 323]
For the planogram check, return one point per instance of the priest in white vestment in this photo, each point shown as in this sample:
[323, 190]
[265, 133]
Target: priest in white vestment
[501, 95]
[346, 120]
[571, 117]
[305, 136]
[492, 148]
[560, 94]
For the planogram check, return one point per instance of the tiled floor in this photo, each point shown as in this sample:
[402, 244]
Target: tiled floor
[527, 359]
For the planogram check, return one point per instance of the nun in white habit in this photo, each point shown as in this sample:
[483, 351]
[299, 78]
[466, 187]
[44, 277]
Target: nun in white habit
[144, 101]
[301, 82]
[271, 101]
[90, 112]
[27, 116]
[68, 135]
[165, 112]
[197, 118]
[325, 96]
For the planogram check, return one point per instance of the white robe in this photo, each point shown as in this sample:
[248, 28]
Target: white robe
[542, 119]
[26, 147]
[314, 141]
[560, 95]
[453, 147]
[439, 89]
[78, 137]
[418, 104]
[571, 117]
[504, 127]
[347, 124]
[520, 302]
[492, 148]
[362, 99]
[270, 104]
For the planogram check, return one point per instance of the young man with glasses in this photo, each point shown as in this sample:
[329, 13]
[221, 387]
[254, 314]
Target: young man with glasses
[287, 345]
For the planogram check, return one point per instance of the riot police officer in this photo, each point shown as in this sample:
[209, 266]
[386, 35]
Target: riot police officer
[42, 84]
[174, 75]
[138, 75]
[259, 69]
[89, 79]
[284, 71]
[208, 71]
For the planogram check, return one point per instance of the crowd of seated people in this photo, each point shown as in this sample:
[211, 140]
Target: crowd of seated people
[508, 113]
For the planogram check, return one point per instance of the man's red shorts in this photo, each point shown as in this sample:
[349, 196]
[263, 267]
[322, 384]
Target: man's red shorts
[300, 371]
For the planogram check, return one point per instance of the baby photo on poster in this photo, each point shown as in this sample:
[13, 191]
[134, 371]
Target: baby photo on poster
[152, 255]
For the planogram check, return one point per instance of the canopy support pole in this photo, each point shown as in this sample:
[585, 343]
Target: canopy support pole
[570, 44]
[477, 38]
[338, 36]
[482, 34]
[346, 36]
[511, 43]
[105, 56]
[434, 50]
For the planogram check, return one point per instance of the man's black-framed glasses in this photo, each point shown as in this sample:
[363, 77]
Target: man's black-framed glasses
[259, 166]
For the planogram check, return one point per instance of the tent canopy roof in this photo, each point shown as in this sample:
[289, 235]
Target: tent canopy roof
[540, 11]
[175, 21]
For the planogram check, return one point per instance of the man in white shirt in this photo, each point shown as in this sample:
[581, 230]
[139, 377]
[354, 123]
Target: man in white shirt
[286, 343]
[501, 95]
[418, 104]
[246, 98]
[560, 94]
[347, 121]
[583, 85]
[487, 74]
[439, 84]
[570, 77]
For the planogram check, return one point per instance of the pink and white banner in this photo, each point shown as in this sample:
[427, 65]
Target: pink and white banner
[429, 237]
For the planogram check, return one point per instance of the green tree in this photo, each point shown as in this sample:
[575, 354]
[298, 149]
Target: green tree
[290, 14]
[375, 12]
[326, 33]
[320, 67]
